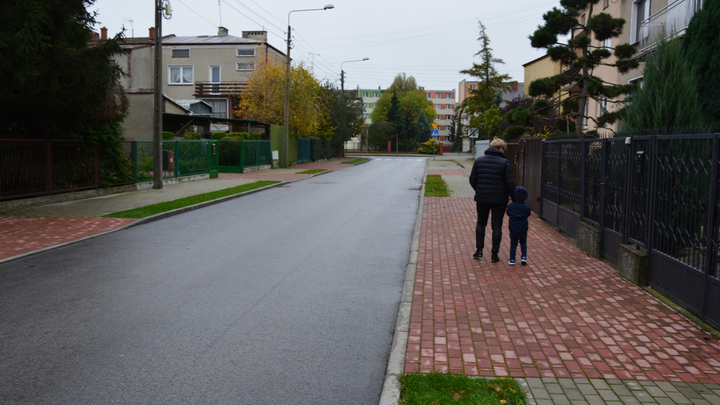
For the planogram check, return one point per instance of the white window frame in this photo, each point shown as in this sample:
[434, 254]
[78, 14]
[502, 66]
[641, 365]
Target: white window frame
[448, 95]
[246, 69]
[603, 106]
[638, 17]
[237, 52]
[375, 94]
[429, 95]
[182, 81]
[365, 94]
[172, 53]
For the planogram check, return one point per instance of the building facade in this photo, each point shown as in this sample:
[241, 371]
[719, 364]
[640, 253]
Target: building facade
[213, 69]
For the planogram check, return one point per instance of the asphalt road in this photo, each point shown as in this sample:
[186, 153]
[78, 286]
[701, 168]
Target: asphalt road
[287, 296]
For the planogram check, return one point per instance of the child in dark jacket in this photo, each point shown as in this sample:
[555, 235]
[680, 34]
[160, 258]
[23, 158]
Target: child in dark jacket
[518, 212]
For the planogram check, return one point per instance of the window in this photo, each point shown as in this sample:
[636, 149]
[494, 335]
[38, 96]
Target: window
[113, 62]
[437, 95]
[449, 95]
[473, 87]
[180, 53]
[181, 75]
[365, 94]
[438, 117]
[606, 44]
[603, 105]
[641, 12]
[429, 95]
[365, 116]
[438, 106]
[246, 66]
[244, 52]
[375, 94]
[219, 107]
[448, 117]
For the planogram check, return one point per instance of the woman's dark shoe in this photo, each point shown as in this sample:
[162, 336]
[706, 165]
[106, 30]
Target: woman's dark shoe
[495, 258]
[477, 254]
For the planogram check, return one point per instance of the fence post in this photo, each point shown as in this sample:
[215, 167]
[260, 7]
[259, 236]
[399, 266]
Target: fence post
[654, 168]
[135, 162]
[177, 160]
[630, 177]
[48, 167]
[712, 218]
[584, 149]
[543, 176]
[96, 167]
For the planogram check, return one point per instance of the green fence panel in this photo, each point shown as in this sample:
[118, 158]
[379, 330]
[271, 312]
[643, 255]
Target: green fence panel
[230, 156]
[257, 153]
[303, 150]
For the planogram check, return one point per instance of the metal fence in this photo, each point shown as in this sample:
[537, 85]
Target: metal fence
[180, 158]
[235, 156]
[32, 167]
[658, 192]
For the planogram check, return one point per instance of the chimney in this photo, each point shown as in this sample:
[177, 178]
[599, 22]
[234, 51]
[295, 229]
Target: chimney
[103, 33]
[260, 36]
[222, 32]
[151, 33]
[95, 36]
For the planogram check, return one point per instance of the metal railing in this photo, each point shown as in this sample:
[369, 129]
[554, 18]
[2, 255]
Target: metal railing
[33, 167]
[219, 88]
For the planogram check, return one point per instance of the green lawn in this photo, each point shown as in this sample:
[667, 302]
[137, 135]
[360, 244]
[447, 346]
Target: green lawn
[446, 389]
[355, 161]
[313, 171]
[435, 186]
[149, 210]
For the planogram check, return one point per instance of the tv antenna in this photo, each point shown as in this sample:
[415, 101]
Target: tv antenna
[132, 27]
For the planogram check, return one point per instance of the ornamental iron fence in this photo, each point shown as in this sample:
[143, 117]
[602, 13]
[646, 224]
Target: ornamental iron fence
[660, 193]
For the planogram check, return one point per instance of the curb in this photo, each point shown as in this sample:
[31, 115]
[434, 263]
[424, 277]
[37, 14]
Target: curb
[390, 394]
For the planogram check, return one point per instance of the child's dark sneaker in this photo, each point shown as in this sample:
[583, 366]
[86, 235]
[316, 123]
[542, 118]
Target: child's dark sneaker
[523, 261]
[511, 262]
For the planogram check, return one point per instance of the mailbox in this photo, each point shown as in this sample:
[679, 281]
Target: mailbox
[168, 157]
[640, 162]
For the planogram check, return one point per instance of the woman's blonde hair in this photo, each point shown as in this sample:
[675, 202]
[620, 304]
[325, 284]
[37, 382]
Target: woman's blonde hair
[498, 143]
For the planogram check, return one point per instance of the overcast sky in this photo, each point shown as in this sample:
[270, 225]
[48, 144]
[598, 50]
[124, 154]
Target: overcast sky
[429, 40]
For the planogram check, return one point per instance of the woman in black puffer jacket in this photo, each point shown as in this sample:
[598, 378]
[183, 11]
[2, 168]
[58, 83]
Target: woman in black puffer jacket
[493, 182]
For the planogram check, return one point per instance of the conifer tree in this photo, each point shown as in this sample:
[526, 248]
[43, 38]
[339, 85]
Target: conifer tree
[580, 58]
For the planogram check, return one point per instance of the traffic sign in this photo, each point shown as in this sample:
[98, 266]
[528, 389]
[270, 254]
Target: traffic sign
[434, 133]
[434, 126]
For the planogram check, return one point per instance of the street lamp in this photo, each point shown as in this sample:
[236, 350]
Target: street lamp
[286, 131]
[342, 72]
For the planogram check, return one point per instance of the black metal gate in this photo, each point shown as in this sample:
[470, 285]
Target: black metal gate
[658, 192]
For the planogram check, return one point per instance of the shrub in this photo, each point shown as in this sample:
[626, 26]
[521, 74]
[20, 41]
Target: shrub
[168, 136]
[429, 147]
[192, 136]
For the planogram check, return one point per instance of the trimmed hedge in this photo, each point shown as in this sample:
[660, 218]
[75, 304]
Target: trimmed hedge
[320, 149]
[236, 136]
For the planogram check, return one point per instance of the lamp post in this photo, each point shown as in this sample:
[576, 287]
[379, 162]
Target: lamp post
[286, 130]
[342, 73]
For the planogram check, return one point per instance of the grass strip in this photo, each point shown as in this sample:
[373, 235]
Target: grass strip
[441, 389]
[355, 161]
[435, 186]
[149, 210]
[313, 171]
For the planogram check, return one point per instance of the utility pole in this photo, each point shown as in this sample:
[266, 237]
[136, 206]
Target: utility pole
[157, 117]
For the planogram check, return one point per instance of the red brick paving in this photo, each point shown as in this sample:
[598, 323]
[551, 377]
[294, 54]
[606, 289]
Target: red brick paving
[19, 235]
[563, 315]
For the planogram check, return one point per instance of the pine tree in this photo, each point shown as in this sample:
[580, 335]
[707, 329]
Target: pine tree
[580, 57]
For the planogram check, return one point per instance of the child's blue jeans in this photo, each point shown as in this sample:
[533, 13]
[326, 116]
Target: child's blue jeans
[514, 239]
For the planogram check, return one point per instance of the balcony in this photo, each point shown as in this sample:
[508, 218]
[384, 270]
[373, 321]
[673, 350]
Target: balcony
[203, 89]
[672, 18]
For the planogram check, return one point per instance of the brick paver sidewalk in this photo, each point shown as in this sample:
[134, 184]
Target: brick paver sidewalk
[563, 315]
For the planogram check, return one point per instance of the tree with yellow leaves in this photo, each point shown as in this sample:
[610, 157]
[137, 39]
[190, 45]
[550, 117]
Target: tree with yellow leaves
[264, 99]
